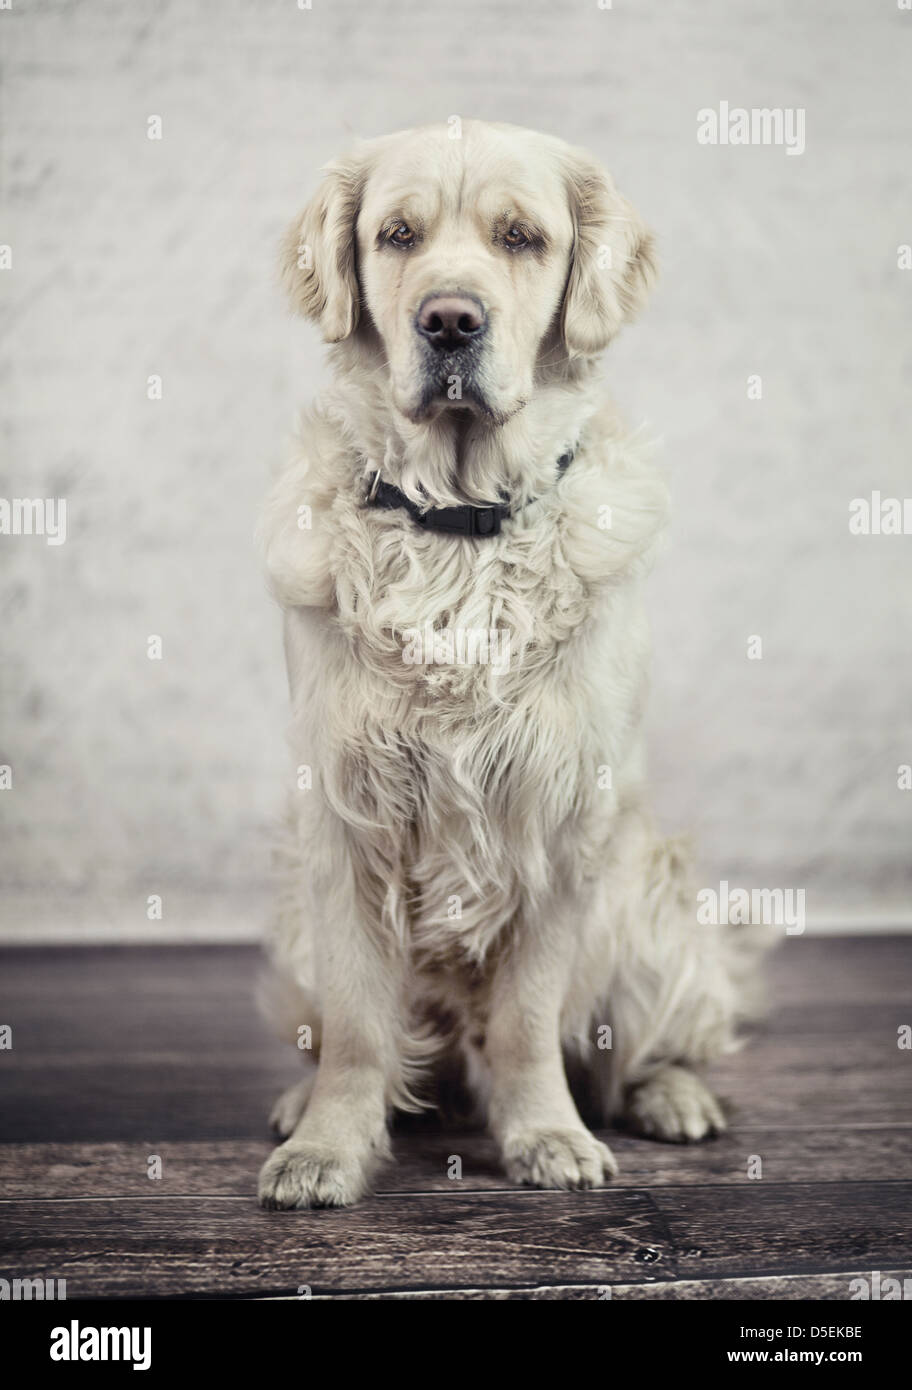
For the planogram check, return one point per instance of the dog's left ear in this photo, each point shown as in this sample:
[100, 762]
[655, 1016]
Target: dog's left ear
[317, 263]
[612, 265]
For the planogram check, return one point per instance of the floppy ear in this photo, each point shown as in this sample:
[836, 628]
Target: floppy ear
[318, 253]
[612, 264]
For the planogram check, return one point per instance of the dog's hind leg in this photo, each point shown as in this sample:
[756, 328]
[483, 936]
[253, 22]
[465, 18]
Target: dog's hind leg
[674, 1105]
[674, 1001]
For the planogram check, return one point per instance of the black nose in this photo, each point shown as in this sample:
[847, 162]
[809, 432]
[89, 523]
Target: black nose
[450, 321]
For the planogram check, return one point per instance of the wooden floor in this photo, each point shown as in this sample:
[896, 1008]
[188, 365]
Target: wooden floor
[122, 1054]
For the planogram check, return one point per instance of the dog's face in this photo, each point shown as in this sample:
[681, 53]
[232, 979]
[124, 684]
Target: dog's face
[463, 250]
[471, 263]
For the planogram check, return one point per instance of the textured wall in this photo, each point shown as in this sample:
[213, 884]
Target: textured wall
[134, 257]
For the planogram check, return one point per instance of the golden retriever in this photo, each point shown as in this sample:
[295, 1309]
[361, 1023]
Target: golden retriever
[458, 542]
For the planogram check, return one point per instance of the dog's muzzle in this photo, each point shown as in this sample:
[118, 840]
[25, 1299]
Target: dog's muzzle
[452, 329]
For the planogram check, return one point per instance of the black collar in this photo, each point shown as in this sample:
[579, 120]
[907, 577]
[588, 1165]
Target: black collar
[467, 520]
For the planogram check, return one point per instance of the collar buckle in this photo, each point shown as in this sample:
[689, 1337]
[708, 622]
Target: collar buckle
[486, 521]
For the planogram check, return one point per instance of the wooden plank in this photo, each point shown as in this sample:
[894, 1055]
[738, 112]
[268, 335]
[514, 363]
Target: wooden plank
[836, 1287]
[66, 1002]
[228, 1168]
[146, 1104]
[770, 1228]
[818, 1080]
[776, 1082]
[848, 970]
[143, 986]
[193, 1060]
[160, 1050]
[837, 1018]
[171, 1247]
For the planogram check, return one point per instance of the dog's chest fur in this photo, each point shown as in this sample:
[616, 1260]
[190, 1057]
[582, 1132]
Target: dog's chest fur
[464, 697]
[470, 707]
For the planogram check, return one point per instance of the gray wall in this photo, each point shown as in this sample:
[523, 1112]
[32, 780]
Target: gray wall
[134, 257]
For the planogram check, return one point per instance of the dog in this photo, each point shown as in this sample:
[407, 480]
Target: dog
[472, 882]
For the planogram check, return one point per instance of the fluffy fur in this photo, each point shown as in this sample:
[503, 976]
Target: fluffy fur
[473, 878]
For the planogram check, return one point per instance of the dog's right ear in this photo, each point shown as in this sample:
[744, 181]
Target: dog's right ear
[318, 263]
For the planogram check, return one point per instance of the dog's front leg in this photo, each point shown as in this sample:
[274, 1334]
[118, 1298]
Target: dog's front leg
[330, 1155]
[543, 1141]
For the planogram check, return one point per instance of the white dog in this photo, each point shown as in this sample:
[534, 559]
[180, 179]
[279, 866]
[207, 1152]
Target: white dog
[458, 544]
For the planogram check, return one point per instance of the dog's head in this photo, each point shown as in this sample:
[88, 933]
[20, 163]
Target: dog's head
[468, 263]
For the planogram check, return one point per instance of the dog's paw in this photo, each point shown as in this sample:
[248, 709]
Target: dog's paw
[290, 1106]
[676, 1106]
[306, 1174]
[565, 1158]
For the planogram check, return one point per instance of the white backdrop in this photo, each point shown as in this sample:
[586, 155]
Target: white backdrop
[134, 257]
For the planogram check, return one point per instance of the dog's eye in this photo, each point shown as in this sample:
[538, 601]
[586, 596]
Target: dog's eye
[515, 238]
[401, 234]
